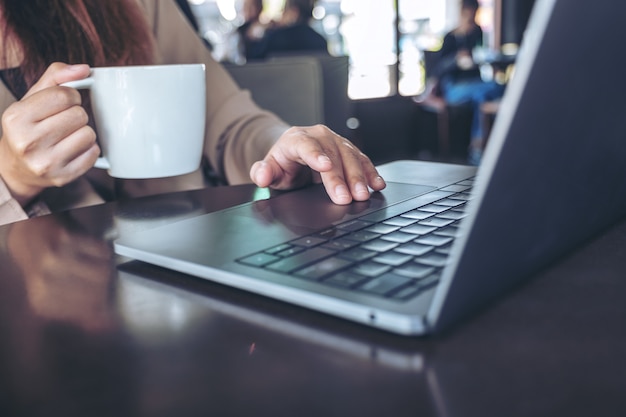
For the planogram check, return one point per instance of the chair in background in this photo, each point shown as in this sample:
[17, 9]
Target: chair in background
[301, 89]
[453, 121]
[337, 106]
[488, 112]
[290, 88]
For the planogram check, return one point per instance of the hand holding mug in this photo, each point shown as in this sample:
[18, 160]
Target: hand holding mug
[150, 122]
[46, 139]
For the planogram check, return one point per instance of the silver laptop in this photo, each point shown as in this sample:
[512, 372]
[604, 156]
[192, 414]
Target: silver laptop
[428, 251]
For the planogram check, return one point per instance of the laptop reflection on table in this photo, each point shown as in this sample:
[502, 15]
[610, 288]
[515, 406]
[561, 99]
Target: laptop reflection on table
[256, 344]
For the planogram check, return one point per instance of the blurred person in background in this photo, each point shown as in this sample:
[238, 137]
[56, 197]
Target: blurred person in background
[251, 32]
[292, 34]
[457, 77]
[244, 41]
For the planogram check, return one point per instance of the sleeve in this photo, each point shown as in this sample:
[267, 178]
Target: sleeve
[238, 132]
[448, 47]
[10, 210]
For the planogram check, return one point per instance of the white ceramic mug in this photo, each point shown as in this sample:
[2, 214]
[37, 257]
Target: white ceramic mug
[150, 120]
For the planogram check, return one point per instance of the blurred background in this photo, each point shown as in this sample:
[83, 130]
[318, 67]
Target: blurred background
[385, 41]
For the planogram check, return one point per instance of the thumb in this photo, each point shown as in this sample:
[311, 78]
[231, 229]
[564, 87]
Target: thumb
[59, 73]
[264, 173]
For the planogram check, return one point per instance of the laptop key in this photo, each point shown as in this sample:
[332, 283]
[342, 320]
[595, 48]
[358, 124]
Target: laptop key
[433, 240]
[435, 208]
[278, 248]
[379, 245]
[432, 259]
[392, 258]
[384, 284]
[445, 249]
[400, 221]
[323, 268]
[345, 279]
[461, 196]
[414, 249]
[332, 233]
[291, 251]
[398, 237]
[451, 202]
[259, 259]
[452, 215]
[436, 222]
[418, 214]
[358, 254]
[416, 287]
[300, 260]
[382, 228]
[405, 206]
[308, 241]
[340, 244]
[362, 236]
[415, 271]
[370, 269]
[419, 229]
[448, 231]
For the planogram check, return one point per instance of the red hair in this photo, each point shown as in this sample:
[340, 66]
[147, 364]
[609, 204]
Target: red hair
[94, 32]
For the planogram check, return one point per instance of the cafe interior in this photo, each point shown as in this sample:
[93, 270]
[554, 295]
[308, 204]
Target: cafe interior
[370, 87]
[87, 331]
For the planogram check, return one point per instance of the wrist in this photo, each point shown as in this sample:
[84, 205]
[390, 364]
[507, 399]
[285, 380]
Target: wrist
[23, 195]
[19, 191]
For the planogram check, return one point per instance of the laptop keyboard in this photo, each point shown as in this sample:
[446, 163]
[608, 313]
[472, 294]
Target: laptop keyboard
[395, 257]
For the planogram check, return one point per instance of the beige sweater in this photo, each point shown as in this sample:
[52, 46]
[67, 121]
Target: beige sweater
[237, 131]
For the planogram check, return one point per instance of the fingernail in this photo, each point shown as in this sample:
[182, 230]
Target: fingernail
[256, 167]
[323, 159]
[76, 67]
[342, 192]
[360, 188]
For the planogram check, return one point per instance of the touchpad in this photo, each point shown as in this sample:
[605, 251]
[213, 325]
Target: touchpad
[311, 208]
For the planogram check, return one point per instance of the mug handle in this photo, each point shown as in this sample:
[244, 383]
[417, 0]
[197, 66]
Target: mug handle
[87, 83]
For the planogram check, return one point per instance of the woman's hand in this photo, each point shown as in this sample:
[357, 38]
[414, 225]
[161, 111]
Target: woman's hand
[46, 140]
[345, 171]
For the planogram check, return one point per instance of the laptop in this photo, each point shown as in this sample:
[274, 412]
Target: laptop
[431, 249]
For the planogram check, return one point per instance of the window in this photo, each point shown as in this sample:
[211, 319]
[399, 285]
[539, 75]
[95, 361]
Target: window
[384, 38]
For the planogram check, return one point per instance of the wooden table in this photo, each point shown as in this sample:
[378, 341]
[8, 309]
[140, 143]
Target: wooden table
[87, 333]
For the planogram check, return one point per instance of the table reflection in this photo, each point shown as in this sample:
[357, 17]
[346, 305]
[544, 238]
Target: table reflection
[59, 327]
[66, 272]
[251, 349]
